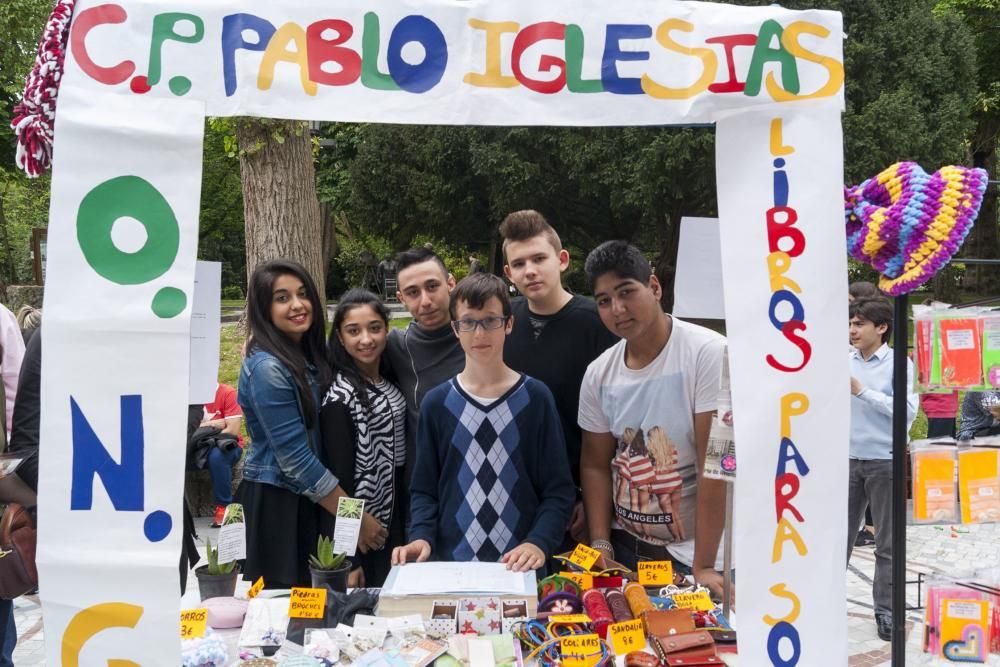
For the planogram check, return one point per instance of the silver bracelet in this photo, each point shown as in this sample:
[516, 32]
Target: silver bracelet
[603, 544]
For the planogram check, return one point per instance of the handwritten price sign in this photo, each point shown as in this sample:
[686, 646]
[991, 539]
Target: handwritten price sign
[580, 650]
[656, 572]
[583, 580]
[627, 636]
[307, 603]
[569, 618]
[257, 587]
[193, 623]
[584, 556]
[698, 601]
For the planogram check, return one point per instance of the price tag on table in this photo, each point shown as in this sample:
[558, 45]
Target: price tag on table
[193, 623]
[257, 587]
[307, 603]
[699, 601]
[580, 650]
[583, 580]
[584, 556]
[627, 636]
[569, 618]
[656, 572]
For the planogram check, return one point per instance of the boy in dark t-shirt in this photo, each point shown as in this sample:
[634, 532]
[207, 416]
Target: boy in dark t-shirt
[556, 334]
[490, 482]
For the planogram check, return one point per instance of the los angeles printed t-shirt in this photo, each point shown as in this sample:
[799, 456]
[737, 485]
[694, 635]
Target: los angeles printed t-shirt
[650, 412]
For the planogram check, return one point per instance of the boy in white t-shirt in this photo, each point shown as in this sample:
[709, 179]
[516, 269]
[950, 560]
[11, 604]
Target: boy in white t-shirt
[646, 408]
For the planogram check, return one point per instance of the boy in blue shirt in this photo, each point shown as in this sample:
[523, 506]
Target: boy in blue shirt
[491, 480]
[871, 441]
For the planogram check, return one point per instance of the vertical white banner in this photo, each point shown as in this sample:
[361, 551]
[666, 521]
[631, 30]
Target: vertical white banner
[122, 244]
[781, 209]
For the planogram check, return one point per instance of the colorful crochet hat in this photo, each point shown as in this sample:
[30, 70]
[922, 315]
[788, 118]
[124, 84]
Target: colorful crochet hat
[35, 115]
[907, 224]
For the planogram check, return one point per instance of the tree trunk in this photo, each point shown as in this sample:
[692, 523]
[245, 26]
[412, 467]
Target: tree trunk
[11, 277]
[280, 207]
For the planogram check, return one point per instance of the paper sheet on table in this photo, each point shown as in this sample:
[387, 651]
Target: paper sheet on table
[443, 578]
[206, 318]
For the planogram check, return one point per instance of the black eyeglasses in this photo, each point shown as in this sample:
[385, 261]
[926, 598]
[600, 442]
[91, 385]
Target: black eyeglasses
[487, 323]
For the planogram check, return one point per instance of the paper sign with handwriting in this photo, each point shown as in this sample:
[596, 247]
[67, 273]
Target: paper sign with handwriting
[307, 603]
[257, 587]
[193, 623]
[583, 580]
[580, 650]
[627, 636]
[698, 601]
[584, 556]
[569, 618]
[656, 572]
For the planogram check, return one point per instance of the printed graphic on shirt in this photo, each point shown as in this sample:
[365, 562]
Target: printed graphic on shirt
[648, 485]
[653, 471]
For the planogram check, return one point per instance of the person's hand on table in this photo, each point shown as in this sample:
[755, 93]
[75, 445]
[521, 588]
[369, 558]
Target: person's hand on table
[373, 534]
[524, 557]
[356, 579]
[417, 550]
[712, 579]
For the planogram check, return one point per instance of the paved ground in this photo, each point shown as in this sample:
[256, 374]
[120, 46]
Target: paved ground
[930, 549]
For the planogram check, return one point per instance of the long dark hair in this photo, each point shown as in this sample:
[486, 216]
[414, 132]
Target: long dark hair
[265, 336]
[340, 358]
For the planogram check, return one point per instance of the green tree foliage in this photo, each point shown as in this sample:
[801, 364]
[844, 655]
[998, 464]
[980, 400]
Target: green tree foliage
[24, 203]
[982, 18]
[221, 230]
[911, 82]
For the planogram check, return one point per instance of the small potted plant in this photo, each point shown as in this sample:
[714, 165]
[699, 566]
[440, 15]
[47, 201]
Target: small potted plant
[328, 568]
[215, 580]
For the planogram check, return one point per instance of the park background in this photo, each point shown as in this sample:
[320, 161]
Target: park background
[922, 84]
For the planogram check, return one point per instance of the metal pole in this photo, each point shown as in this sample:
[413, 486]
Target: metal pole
[899, 438]
[727, 555]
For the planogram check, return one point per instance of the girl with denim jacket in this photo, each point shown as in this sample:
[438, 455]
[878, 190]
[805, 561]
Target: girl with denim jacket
[285, 483]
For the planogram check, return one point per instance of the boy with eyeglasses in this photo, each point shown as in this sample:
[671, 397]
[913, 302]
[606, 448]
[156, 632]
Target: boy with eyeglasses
[491, 480]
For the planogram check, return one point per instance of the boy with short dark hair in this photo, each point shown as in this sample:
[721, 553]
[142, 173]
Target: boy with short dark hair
[870, 473]
[425, 353]
[491, 481]
[556, 334]
[646, 407]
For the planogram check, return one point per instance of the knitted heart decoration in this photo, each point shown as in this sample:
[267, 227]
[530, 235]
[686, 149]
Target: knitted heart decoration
[907, 224]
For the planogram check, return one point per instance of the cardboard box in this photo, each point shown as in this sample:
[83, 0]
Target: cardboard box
[443, 620]
[512, 612]
[479, 615]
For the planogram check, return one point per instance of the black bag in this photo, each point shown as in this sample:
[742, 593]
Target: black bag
[18, 538]
[201, 443]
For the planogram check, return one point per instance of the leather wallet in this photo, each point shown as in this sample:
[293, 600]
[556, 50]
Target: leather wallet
[697, 644]
[666, 623]
[640, 659]
[704, 661]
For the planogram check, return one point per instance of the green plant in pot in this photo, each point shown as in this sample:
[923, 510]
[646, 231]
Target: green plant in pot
[216, 579]
[328, 568]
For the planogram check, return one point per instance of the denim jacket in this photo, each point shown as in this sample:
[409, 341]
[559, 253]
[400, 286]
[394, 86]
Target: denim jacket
[282, 451]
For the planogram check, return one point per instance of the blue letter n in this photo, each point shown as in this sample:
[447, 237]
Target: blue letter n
[123, 481]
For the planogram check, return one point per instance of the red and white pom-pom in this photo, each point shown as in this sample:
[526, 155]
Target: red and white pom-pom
[35, 114]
